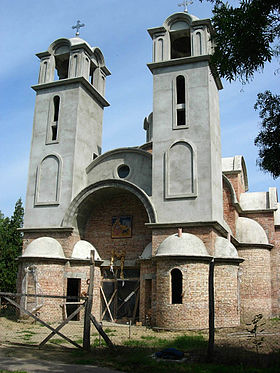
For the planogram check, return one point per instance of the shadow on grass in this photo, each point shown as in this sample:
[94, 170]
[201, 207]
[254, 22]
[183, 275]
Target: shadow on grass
[137, 356]
[9, 312]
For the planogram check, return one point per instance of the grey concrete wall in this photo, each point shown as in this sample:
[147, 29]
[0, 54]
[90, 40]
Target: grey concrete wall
[80, 121]
[139, 162]
[203, 134]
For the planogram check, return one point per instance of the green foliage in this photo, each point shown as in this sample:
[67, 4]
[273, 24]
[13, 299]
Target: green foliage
[268, 139]
[10, 247]
[246, 37]
[254, 330]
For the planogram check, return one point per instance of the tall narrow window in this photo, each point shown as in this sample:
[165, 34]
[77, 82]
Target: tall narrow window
[75, 65]
[54, 127]
[176, 286]
[181, 99]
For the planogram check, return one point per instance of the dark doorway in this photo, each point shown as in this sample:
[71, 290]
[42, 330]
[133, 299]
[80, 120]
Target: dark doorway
[73, 290]
[120, 297]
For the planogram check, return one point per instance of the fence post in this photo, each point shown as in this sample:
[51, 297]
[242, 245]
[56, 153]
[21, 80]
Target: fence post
[210, 351]
[88, 306]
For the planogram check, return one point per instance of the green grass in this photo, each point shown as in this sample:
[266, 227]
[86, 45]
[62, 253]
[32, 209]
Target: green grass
[13, 371]
[136, 356]
[57, 341]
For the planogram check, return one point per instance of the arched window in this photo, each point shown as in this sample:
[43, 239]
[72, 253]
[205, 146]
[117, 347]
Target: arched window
[54, 125]
[176, 286]
[180, 44]
[181, 101]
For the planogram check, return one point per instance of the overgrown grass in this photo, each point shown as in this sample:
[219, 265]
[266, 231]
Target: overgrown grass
[136, 355]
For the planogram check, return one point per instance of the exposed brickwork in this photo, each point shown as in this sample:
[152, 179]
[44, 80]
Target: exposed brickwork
[230, 213]
[98, 228]
[193, 312]
[237, 181]
[227, 307]
[52, 280]
[255, 287]
[147, 306]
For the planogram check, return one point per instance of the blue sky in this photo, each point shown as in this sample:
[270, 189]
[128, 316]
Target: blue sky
[119, 29]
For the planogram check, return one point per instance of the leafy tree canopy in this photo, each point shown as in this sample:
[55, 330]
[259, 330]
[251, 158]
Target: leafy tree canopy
[246, 37]
[10, 247]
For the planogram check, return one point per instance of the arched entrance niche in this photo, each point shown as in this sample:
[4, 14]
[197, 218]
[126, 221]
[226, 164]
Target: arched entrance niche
[111, 215]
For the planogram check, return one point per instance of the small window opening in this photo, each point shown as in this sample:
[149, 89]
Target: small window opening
[91, 74]
[62, 65]
[76, 65]
[181, 99]
[45, 71]
[180, 86]
[180, 44]
[73, 291]
[181, 117]
[54, 127]
[123, 171]
[176, 286]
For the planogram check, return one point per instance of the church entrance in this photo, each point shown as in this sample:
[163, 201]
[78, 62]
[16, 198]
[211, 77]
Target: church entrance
[120, 295]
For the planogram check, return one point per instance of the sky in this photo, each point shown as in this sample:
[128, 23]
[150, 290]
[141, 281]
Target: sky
[119, 29]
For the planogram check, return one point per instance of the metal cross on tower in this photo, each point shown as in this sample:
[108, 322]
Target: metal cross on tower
[185, 4]
[78, 26]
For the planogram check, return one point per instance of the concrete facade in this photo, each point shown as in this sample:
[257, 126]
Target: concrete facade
[155, 215]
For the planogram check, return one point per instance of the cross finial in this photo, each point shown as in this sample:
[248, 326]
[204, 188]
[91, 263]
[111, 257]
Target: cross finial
[78, 26]
[185, 4]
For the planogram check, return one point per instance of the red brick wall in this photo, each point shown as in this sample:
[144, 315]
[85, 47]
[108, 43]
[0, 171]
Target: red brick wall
[227, 308]
[193, 312]
[237, 183]
[255, 287]
[230, 214]
[52, 280]
[147, 271]
[98, 228]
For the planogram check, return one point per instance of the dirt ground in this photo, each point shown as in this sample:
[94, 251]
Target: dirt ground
[21, 338]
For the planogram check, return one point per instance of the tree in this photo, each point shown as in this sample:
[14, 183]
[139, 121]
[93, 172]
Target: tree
[10, 247]
[268, 139]
[246, 37]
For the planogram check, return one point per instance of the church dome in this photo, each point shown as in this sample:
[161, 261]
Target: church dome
[82, 250]
[249, 231]
[186, 245]
[147, 252]
[45, 247]
[224, 249]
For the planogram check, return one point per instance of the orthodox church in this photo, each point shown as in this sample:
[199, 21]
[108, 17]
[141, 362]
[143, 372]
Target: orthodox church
[156, 215]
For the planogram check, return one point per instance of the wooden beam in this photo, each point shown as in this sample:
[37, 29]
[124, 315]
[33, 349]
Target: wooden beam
[14, 295]
[102, 333]
[136, 306]
[41, 321]
[110, 301]
[210, 350]
[88, 306]
[73, 314]
[128, 297]
[108, 308]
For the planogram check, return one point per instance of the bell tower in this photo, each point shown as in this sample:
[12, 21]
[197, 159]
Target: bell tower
[187, 173]
[67, 128]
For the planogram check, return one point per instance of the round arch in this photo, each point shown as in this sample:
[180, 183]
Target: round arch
[79, 206]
